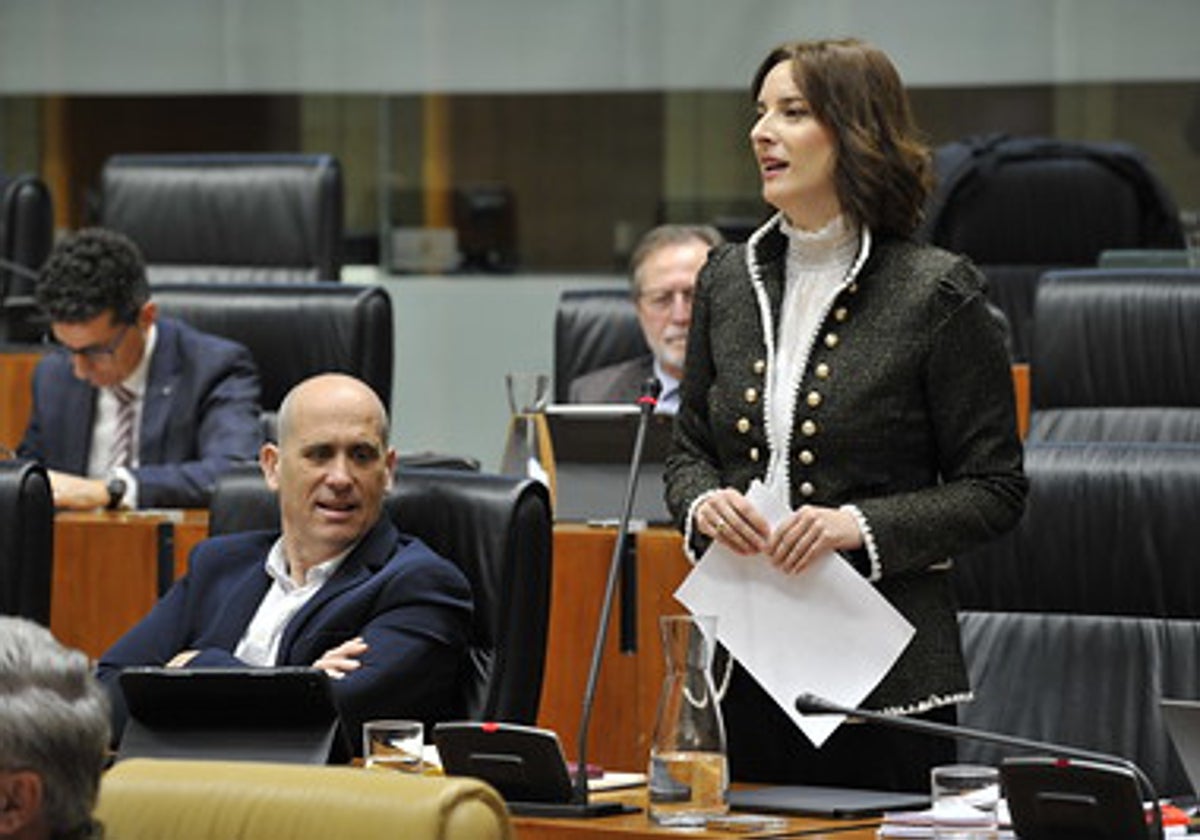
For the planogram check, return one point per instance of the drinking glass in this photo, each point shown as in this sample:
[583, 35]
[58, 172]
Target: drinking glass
[964, 801]
[393, 744]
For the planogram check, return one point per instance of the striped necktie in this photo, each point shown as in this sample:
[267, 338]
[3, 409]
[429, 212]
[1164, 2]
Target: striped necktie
[123, 440]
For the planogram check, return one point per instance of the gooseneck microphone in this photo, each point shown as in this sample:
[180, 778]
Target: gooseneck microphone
[811, 704]
[646, 402]
[527, 764]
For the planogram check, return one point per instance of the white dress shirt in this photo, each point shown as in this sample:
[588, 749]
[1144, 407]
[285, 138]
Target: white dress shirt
[104, 424]
[259, 645]
[668, 398]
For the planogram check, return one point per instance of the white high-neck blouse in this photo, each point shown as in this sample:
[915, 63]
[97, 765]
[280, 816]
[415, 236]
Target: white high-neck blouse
[818, 265]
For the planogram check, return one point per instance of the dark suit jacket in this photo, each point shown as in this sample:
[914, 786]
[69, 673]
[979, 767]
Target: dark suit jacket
[410, 605]
[905, 409]
[619, 383]
[201, 414]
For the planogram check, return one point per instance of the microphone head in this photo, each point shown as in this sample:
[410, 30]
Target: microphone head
[811, 704]
[651, 388]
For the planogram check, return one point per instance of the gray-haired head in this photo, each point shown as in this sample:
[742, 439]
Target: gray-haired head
[53, 722]
[661, 237]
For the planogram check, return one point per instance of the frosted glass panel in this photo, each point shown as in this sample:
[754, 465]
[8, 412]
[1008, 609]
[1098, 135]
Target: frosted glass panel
[487, 46]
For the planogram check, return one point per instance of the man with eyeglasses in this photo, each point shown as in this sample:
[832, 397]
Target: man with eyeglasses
[662, 275]
[132, 410]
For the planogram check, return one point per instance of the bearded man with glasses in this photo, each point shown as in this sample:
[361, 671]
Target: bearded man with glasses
[132, 409]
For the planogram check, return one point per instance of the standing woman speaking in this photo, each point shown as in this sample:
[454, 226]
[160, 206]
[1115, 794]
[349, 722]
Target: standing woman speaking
[862, 377]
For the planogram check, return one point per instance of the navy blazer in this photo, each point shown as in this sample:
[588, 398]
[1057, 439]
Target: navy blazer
[200, 415]
[410, 605]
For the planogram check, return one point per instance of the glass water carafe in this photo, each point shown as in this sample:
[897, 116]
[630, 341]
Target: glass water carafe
[689, 775]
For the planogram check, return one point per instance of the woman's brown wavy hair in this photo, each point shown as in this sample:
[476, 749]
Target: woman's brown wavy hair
[882, 173]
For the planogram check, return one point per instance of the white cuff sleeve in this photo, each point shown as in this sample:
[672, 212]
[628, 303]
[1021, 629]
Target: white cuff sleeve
[864, 528]
[129, 500]
[689, 525]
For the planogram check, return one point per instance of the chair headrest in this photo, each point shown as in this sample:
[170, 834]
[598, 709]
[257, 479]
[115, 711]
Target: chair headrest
[294, 330]
[593, 328]
[1117, 337]
[246, 210]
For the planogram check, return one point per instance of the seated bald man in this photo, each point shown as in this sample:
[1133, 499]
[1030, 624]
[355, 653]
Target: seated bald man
[339, 588]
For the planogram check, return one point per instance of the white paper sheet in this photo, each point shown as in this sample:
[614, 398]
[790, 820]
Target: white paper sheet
[825, 630]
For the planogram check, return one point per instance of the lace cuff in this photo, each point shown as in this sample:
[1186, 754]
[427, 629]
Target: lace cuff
[868, 541]
[689, 524]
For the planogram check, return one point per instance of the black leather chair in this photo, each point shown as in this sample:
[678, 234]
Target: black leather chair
[1081, 619]
[26, 540]
[228, 217]
[1116, 356]
[26, 235]
[593, 328]
[1018, 206]
[1088, 681]
[497, 529]
[294, 330]
[1108, 529]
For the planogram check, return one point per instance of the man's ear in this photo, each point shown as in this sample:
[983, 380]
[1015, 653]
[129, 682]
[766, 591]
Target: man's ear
[390, 460]
[147, 314]
[20, 800]
[268, 462]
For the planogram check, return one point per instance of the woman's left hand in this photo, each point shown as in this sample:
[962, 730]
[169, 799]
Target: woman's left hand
[809, 533]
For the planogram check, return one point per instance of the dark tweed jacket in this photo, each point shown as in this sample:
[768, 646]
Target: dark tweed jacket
[905, 409]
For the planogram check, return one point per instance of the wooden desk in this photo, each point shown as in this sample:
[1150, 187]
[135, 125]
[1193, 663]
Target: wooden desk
[16, 394]
[109, 569]
[638, 826]
[631, 674]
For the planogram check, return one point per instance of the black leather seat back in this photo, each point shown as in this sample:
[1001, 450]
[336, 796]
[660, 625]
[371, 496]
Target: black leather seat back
[26, 236]
[593, 328]
[1018, 206]
[1012, 290]
[1109, 529]
[294, 330]
[1080, 620]
[228, 217]
[1007, 200]
[1083, 680]
[1115, 425]
[497, 529]
[1117, 337]
[26, 228]
[26, 540]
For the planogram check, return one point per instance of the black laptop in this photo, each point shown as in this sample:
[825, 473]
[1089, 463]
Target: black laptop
[816, 801]
[593, 448]
[249, 714]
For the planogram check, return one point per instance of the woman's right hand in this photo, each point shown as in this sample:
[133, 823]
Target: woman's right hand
[727, 517]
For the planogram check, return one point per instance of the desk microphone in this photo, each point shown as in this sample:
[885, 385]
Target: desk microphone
[525, 763]
[810, 704]
[646, 402]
